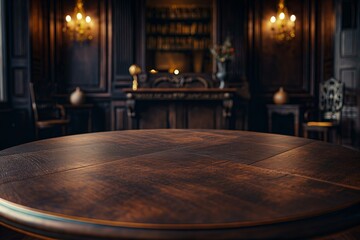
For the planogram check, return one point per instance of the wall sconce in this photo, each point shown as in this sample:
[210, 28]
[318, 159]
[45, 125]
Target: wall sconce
[78, 26]
[282, 26]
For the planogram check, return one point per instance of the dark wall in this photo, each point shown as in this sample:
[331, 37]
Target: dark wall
[39, 51]
[287, 64]
[298, 65]
[234, 26]
[16, 124]
[84, 64]
[347, 67]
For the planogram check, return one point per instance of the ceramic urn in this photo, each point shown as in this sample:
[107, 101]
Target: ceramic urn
[280, 97]
[77, 97]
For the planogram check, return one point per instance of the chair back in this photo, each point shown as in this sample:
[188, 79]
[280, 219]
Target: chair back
[331, 99]
[33, 102]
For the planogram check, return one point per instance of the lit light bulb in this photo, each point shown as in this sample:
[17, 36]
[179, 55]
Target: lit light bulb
[282, 16]
[79, 16]
[292, 18]
[176, 71]
[273, 19]
[88, 19]
[68, 18]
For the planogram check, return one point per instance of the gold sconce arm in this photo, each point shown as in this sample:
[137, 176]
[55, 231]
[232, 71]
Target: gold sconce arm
[134, 71]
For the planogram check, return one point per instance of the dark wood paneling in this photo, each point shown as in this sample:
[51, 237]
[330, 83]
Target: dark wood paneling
[232, 22]
[118, 115]
[85, 64]
[18, 40]
[155, 115]
[124, 40]
[348, 43]
[212, 116]
[19, 18]
[288, 63]
[102, 115]
[347, 67]
[6, 128]
[40, 45]
[20, 82]
[140, 41]
[18, 67]
[325, 23]
[169, 114]
[298, 65]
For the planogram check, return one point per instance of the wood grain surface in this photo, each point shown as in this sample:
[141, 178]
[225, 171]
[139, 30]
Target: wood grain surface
[176, 184]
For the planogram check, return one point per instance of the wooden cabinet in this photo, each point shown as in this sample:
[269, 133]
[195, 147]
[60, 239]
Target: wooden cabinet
[151, 108]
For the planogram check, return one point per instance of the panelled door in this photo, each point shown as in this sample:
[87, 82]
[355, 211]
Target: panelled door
[347, 67]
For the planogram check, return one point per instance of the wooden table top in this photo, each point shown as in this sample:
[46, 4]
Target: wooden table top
[176, 184]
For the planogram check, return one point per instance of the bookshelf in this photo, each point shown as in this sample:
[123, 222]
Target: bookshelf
[178, 36]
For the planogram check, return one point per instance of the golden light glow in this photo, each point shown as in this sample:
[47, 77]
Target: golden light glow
[134, 70]
[320, 124]
[283, 27]
[282, 16]
[68, 18]
[153, 71]
[79, 16]
[176, 71]
[77, 27]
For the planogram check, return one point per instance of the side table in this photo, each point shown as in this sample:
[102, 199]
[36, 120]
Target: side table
[285, 109]
[76, 114]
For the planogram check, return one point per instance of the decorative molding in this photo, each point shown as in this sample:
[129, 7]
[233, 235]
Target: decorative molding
[19, 81]
[349, 76]
[179, 96]
[179, 80]
[349, 40]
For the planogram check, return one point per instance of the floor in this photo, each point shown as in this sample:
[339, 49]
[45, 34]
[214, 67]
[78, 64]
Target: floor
[352, 234]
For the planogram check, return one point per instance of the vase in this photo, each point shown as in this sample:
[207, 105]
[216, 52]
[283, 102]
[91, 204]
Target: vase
[221, 73]
[77, 97]
[280, 97]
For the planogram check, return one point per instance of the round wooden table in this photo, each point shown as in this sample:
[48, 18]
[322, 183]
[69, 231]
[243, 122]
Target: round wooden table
[176, 184]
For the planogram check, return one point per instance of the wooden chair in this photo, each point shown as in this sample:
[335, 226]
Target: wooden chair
[331, 100]
[55, 118]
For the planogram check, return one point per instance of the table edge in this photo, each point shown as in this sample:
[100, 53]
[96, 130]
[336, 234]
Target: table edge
[16, 211]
